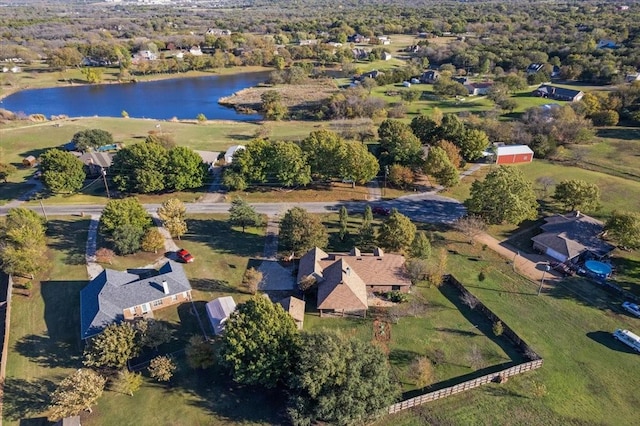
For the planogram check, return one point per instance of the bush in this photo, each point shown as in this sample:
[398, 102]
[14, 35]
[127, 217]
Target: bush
[498, 328]
[396, 296]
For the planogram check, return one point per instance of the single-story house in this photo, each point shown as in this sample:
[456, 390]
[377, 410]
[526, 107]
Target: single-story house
[534, 68]
[29, 161]
[558, 93]
[115, 296]
[195, 51]
[480, 88]
[228, 156]
[631, 77]
[513, 154]
[430, 76]
[566, 237]
[219, 310]
[218, 32]
[97, 161]
[345, 279]
[295, 307]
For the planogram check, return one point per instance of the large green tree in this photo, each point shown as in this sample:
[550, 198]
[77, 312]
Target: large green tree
[273, 107]
[243, 214]
[112, 348]
[397, 232]
[300, 231]
[288, 166]
[185, 169]
[140, 168]
[91, 138]
[426, 129]
[624, 228]
[173, 213]
[472, 143]
[339, 380]
[441, 168]
[22, 243]
[62, 172]
[126, 211]
[398, 144]
[259, 343]
[576, 194]
[504, 196]
[76, 393]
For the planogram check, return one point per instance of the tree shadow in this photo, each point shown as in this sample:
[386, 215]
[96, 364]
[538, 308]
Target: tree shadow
[46, 352]
[193, 318]
[606, 339]
[458, 332]
[24, 397]
[212, 285]
[220, 235]
[70, 238]
[401, 357]
[619, 133]
[585, 292]
[62, 310]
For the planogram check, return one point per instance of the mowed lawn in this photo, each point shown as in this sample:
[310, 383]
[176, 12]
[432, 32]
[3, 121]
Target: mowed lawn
[588, 377]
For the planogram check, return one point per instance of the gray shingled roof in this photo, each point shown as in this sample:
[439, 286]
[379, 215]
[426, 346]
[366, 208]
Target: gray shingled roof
[104, 299]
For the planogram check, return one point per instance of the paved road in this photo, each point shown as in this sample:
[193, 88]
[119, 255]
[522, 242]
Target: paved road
[423, 207]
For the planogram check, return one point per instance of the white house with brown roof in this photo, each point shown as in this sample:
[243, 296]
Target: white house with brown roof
[345, 279]
[295, 307]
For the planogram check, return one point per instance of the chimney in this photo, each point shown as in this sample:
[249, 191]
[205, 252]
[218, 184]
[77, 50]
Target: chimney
[165, 286]
[347, 271]
[577, 213]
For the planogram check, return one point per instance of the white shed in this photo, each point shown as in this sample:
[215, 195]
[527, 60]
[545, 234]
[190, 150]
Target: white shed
[218, 311]
[228, 156]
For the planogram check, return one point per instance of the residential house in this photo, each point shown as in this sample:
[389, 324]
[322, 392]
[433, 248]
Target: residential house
[558, 93]
[345, 279]
[567, 237]
[481, 88]
[218, 32]
[295, 307]
[430, 76]
[360, 53]
[607, 44]
[195, 51]
[534, 68]
[308, 42]
[358, 38]
[371, 74]
[96, 162]
[231, 151]
[219, 310]
[115, 296]
[384, 40]
[631, 77]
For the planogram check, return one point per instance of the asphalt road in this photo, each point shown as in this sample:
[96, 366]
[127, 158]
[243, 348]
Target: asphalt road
[423, 207]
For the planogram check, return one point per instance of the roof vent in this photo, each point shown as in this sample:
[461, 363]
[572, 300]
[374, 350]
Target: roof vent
[165, 286]
[378, 252]
[355, 252]
[347, 271]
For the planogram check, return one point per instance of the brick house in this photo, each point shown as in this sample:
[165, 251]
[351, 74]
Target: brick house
[115, 296]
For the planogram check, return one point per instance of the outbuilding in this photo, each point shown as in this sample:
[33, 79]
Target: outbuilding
[228, 156]
[219, 310]
[513, 154]
[29, 161]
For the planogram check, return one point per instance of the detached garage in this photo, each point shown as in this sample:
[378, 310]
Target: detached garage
[513, 154]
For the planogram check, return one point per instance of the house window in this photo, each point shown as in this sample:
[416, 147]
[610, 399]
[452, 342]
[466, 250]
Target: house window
[174, 298]
[157, 302]
[132, 311]
[395, 288]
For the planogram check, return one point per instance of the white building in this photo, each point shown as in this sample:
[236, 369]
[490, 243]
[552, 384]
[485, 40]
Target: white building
[228, 156]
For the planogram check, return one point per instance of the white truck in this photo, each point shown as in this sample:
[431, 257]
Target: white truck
[628, 338]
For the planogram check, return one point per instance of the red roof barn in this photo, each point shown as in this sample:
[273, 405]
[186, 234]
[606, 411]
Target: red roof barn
[513, 154]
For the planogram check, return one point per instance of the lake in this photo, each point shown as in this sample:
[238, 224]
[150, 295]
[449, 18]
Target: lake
[183, 98]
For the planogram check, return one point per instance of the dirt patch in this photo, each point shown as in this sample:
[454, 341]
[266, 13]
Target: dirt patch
[307, 95]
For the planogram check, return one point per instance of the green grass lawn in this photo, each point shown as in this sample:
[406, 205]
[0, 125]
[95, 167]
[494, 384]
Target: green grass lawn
[584, 369]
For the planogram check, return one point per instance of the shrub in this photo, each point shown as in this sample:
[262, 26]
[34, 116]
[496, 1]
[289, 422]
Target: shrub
[498, 328]
[396, 296]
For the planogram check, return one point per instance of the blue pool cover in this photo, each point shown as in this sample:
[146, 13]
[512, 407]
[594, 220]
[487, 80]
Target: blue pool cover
[598, 267]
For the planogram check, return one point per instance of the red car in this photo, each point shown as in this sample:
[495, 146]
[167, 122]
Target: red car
[184, 256]
[382, 211]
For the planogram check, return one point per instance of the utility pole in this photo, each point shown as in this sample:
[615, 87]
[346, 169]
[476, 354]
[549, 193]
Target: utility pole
[43, 211]
[547, 268]
[514, 260]
[106, 186]
[384, 188]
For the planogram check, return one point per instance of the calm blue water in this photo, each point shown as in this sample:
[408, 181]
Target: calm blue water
[183, 98]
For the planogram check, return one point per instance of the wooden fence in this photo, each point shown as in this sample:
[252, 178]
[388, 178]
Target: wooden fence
[464, 386]
[6, 284]
[497, 377]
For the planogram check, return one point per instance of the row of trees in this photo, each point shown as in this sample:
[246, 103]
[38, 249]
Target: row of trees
[322, 155]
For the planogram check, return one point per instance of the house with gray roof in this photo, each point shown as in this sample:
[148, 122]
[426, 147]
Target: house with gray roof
[115, 296]
[219, 310]
[558, 93]
[566, 237]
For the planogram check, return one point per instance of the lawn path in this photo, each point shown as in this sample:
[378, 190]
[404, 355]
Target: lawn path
[271, 239]
[93, 268]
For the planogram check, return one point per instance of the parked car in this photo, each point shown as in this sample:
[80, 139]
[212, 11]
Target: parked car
[185, 256]
[382, 211]
[632, 308]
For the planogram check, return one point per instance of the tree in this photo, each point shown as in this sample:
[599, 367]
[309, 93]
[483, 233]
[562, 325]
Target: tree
[105, 255]
[84, 140]
[398, 144]
[127, 382]
[397, 232]
[421, 372]
[417, 269]
[62, 172]
[288, 164]
[504, 196]
[301, 231]
[127, 239]
[472, 144]
[162, 368]
[76, 393]
[152, 240]
[126, 211]
[243, 214]
[200, 353]
[447, 88]
[605, 118]
[421, 246]
[22, 243]
[435, 276]
[173, 213]
[441, 168]
[357, 163]
[152, 333]
[575, 194]
[272, 106]
[140, 168]
[184, 170]
[624, 228]
[201, 118]
[251, 280]
[344, 222]
[400, 176]
[259, 343]
[366, 236]
[497, 328]
[470, 227]
[6, 170]
[452, 151]
[113, 347]
[410, 95]
[426, 129]
[339, 380]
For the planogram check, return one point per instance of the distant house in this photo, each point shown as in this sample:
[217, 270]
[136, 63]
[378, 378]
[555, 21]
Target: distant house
[219, 310]
[370, 74]
[534, 68]
[430, 76]
[195, 51]
[476, 89]
[218, 32]
[360, 53]
[513, 154]
[384, 40]
[295, 307]
[114, 296]
[558, 93]
[566, 237]
[345, 279]
[95, 162]
[386, 56]
[606, 44]
[631, 77]
[358, 38]
[29, 161]
[308, 42]
[231, 151]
